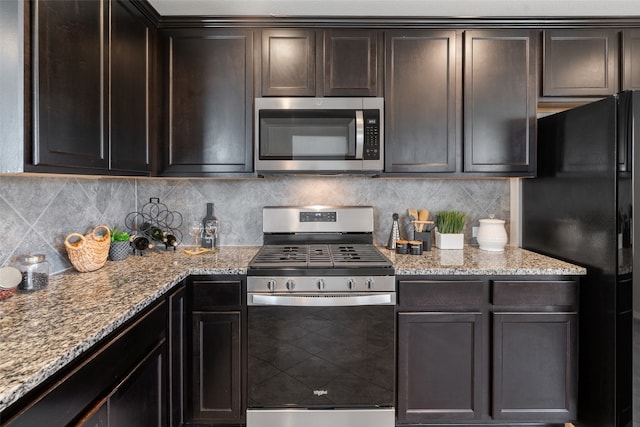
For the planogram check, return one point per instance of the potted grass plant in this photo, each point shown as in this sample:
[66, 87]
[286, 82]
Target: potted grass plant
[449, 225]
[120, 246]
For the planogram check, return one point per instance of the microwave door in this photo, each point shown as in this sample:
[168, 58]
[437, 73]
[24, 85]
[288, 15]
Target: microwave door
[303, 136]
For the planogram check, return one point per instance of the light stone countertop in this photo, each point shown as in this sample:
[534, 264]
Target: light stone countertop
[42, 331]
[473, 261]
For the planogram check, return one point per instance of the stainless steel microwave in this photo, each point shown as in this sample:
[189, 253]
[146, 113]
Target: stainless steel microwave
[319, 135]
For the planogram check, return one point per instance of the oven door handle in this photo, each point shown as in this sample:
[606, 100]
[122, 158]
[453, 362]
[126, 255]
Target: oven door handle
[323, 300]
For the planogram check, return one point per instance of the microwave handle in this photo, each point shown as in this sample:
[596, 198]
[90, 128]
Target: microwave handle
[359, 134]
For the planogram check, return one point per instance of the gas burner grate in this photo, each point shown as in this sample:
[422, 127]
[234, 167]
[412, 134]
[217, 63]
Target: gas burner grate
[357, 255]
[281, 255]
[319, 256]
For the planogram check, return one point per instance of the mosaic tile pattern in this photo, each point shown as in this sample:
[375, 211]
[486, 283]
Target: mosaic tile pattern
[39, 211]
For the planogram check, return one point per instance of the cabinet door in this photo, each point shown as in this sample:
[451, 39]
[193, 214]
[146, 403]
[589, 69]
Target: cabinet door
[351, 62]
[130, 89]
[69, 85]
[580, 63]
[209, 96]
[534, 366]
[421, 93]
[140, 399]
[288, 62]
[216, 376]
[98, 416]
[631, 60]
[439, 366]
[500, 101]
[177, 351]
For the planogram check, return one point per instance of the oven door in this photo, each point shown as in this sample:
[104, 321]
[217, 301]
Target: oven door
[321, 351]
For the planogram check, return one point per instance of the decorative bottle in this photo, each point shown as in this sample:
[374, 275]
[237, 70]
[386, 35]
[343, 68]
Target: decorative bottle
[210, 229]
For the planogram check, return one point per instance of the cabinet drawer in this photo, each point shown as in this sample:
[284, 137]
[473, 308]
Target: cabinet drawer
[535, 293]
[429, 293]
[208, 294]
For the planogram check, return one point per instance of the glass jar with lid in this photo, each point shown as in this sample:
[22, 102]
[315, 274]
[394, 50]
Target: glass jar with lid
[35, 272]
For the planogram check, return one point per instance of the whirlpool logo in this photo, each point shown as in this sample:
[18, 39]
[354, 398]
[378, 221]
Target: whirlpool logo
[320, 392]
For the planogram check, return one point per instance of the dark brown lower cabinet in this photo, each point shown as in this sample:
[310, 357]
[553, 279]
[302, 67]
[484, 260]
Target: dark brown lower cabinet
[137, 401]
[120, 383]
[140, 399]
[487, 351]
[216, 367]
[534, 366]
[439, 366]
[215, 374]
[177, 355]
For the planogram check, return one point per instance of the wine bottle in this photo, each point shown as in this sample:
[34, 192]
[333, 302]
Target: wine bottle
[209, 228]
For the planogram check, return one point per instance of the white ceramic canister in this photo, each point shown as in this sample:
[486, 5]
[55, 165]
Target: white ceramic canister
[492, 235]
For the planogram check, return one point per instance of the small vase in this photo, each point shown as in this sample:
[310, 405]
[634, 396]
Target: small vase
[449, 241]
[119, 250]
[492, 235]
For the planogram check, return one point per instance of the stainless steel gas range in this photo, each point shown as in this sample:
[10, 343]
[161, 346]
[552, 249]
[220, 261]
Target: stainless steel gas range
[321, 329]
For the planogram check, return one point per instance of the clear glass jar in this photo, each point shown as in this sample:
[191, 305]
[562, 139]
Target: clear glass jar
[35, 272]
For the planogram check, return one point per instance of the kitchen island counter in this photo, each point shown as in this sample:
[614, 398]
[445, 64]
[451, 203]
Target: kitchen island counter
[43, 331]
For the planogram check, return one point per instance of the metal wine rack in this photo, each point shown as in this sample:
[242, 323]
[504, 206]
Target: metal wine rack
[154, 220]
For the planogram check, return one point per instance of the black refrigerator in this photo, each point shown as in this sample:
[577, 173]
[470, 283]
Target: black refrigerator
[579, 208]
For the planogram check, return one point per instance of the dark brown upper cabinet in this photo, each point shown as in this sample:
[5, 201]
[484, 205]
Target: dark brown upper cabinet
[422, 88]
[91, 88]
[580, 63]
[631, 59]
[352, 63]
[500, 97]
[208, 92]
[69, 84]
[131, 89]
[288, 62]
[308, 62]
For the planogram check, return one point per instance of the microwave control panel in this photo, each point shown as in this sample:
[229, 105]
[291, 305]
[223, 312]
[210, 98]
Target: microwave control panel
[371, 135]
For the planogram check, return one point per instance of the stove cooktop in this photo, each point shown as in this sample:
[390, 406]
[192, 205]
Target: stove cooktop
[325, 256]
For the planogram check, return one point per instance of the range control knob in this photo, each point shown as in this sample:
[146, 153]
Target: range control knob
[290, 284]
[370, 283]
[351, 284]
[271, 285]
[320, 284]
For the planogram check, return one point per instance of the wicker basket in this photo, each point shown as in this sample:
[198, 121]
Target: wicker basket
[89, 252]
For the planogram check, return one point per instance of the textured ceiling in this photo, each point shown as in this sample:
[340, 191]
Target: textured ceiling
[421, 8]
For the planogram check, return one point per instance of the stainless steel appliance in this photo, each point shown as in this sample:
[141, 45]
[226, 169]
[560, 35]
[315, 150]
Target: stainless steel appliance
[580, 209]
[321, 321]
[319, 135]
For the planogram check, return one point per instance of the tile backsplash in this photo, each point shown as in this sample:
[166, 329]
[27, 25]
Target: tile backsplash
[38, 212]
